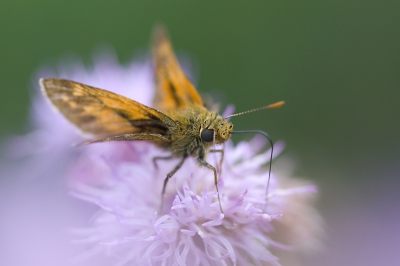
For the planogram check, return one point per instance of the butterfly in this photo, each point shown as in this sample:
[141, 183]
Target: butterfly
[179, 121]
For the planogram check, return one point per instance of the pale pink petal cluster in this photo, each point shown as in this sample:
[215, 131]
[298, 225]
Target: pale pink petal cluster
[190, 229]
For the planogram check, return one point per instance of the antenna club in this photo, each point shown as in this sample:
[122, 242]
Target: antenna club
[276, 105]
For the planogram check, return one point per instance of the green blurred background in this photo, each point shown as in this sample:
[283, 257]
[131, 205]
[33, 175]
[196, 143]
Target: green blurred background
[335, 63]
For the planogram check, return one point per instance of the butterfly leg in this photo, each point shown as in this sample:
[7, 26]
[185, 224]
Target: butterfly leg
[227, 165]
[220, 160]
[209, 166]
[155, 159]
[170, 174]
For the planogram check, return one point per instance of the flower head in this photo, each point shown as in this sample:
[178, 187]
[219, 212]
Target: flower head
[190, 226]
[135, 225]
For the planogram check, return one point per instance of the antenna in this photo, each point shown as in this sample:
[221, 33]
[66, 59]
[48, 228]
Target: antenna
[271, 106]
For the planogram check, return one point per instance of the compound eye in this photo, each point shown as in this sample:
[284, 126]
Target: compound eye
[207, 135]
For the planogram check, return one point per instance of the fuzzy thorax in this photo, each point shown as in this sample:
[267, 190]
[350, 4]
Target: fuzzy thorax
[192, 121]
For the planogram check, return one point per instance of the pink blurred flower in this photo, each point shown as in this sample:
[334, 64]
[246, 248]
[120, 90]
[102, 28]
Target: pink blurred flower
[120, 178]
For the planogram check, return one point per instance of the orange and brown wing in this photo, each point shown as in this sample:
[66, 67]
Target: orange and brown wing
[100, 112]
[174, 89]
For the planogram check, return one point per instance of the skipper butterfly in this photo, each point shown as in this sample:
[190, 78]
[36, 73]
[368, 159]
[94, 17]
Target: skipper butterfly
[179, 121]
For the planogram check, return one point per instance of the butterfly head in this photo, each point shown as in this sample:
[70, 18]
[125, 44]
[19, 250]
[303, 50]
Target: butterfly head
[217, 132]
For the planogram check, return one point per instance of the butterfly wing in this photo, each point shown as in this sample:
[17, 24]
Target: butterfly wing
[103, 113]
[174, 89]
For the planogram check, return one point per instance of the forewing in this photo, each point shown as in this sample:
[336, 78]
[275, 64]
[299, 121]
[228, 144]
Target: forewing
[100, 112]
[174, 89]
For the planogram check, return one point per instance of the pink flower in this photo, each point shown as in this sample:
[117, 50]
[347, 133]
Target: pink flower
[130, 228]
